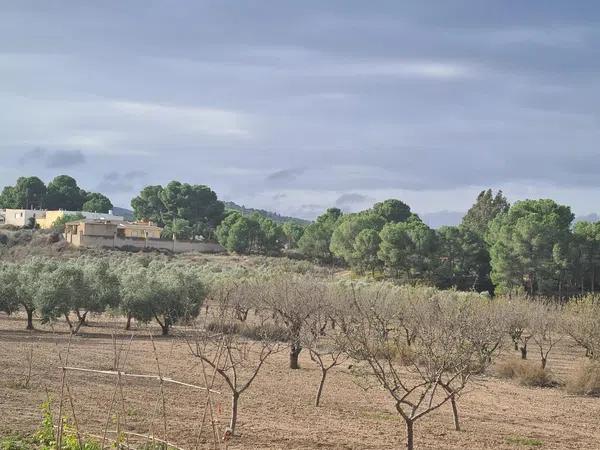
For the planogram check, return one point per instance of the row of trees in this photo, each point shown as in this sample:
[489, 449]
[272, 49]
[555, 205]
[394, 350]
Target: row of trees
[61, 193]
[72, 289]
[531, 247]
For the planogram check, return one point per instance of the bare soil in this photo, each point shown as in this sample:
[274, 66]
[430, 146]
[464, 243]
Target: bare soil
[277, 412]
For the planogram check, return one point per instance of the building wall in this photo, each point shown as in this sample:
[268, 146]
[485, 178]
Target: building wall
[116, 242]
[139, 232]
[20, 217]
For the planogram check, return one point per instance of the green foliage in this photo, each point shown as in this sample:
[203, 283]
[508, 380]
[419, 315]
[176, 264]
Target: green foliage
[392, 210]
[316, 240]
[63, 193]
[408, 248]
[255, 234]
[292, 232]
[344, 236]
[95, 202]
[526, 246]
[463, 260]
[486, 208]
[59, 224]
[27, 193]
[163, 292]
[196, 204]
[45, 437]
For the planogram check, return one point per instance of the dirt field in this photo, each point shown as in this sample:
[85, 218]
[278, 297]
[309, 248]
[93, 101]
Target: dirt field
[277, 412]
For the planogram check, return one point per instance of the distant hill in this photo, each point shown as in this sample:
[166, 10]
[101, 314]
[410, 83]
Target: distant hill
[271, 215]
[126, 213]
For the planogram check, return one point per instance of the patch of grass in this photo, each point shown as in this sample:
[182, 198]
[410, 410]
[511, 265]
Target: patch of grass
[525, 441]
[15, 442]
[585, 380]
[527, 373]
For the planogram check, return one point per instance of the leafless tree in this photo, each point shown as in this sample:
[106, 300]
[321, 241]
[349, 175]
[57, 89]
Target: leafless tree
[235, 358]
[322, 343]
[545, 329]
[438, 364]
[293, 300]
[518, 313]
[581, 321]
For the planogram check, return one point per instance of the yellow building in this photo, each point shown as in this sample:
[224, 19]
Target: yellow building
[49, 217]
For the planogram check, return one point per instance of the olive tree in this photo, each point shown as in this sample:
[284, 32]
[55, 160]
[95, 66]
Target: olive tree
[166, 293]
[19, 285]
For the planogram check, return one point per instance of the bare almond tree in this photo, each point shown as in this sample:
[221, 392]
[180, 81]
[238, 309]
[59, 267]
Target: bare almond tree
[544, 323]
[235, 358]
[581, 321]
[292, 301]
[430, 372]
[322, 343]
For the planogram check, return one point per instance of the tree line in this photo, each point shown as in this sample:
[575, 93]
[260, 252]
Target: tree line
[532, 246]
[60, 193]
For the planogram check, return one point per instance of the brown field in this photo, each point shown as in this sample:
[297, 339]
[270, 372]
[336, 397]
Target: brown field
[277, 412]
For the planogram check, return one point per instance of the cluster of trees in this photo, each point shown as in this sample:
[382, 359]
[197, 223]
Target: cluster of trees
[388, 239]
[61, 193]
[531, 247]
[184, 210]
[72, 289]
[257, 234]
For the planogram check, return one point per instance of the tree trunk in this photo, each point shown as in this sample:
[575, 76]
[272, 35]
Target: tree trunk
[295, 350]
[128, 324]
[544, 361]
[165, 328]
[455, 413]
[29, 318]
[69, 322]
[321, 384]
[80, 322]
[235, 397]
[524, 352]
[409, 435]
[516, 346]
[81, 318]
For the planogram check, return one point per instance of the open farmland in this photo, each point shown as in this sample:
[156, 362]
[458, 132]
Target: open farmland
[278, 411]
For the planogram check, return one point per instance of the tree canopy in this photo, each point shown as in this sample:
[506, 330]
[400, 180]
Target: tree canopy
[196, 204]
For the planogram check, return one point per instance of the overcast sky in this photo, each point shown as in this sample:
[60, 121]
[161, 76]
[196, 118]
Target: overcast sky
[296, 106]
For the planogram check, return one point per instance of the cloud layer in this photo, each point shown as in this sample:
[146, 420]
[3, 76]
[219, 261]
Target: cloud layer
[297, 106]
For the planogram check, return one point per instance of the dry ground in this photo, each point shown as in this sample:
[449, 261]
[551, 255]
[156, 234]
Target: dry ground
[277, 412]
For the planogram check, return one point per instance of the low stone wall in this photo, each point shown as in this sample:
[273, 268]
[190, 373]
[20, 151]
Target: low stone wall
[160, 244]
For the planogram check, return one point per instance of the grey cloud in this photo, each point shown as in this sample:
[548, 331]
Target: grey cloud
[350, 201]
[117, 182]
[52, 159]
[484, 95]
[285, 175]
